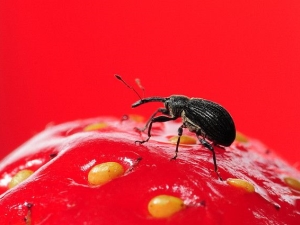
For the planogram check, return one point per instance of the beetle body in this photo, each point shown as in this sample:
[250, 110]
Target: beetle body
[202, 117]
[209, 120]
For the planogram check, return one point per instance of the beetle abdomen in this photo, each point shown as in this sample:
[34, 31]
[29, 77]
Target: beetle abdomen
[212, 119]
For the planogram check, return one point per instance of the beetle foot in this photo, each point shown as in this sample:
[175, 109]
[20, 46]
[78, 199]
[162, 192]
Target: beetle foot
[219, 176]
[140, 142]
[174, 157]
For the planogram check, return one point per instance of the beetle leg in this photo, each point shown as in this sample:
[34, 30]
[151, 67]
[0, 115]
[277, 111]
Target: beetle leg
[211, 148]
[180, 130]
[162, 110]
[154, 120]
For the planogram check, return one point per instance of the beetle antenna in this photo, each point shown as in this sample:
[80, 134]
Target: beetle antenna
[137, 81]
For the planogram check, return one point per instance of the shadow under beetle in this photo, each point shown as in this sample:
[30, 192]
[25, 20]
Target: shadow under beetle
[207, 119]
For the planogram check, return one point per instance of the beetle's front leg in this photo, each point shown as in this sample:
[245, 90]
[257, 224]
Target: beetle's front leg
[154, 120]
[162, 110]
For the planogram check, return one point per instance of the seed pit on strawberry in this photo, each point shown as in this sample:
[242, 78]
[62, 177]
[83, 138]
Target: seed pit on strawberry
[53, 155]
[27, 218]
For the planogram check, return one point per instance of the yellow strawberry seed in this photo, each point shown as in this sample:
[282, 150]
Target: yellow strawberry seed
[19, 177]
[292, 183]
[185, 139]
[241, 137]
[105, 172]
[243, 184]
[164, 206]
[136, 118]
[95, 126]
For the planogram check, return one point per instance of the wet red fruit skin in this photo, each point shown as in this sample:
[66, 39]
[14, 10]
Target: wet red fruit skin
[58, 191]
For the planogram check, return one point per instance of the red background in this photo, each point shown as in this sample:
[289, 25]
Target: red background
[57, 60]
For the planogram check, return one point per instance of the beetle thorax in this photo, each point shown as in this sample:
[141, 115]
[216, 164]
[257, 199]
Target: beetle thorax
[175, 104]
[190, 125]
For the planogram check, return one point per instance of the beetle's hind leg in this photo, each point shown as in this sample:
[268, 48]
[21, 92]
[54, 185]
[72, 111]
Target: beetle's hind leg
[211, 148]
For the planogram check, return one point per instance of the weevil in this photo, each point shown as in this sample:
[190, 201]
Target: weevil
[207, 119]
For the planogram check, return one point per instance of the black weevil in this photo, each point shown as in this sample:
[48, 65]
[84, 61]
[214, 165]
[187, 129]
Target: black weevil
[207, 119]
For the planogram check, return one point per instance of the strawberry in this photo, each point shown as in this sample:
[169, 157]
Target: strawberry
[92, 172]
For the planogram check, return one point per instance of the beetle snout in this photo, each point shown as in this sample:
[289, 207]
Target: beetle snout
[146, 100]
[136, 104]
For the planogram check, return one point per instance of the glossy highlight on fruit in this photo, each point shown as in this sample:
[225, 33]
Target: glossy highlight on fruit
[139, 181]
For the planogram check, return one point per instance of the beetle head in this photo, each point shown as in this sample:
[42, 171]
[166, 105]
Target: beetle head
[175, 104]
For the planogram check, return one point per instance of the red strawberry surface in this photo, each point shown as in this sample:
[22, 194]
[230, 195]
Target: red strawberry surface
[59, 190]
